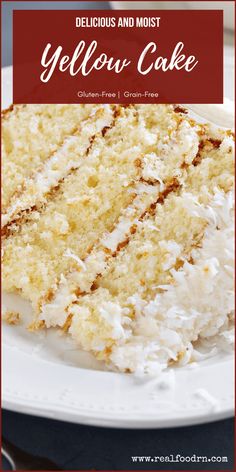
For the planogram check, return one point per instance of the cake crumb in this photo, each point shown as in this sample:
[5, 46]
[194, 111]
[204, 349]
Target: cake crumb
[36, 325]
[12, 317]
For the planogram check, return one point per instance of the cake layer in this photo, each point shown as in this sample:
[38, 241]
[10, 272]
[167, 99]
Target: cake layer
[30, 134]
[50, 241]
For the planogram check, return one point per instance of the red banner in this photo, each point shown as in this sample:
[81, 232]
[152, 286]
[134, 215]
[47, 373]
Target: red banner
[118, 56]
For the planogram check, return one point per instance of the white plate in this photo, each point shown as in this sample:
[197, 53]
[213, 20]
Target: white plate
[46, 375]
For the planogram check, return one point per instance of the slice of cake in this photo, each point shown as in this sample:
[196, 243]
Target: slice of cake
[123, 235]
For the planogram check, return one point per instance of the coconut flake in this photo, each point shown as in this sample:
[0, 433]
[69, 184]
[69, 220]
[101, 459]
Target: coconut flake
[69, 253]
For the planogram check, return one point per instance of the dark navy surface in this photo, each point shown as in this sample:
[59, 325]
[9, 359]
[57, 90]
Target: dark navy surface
[5, 464]
[76, 447]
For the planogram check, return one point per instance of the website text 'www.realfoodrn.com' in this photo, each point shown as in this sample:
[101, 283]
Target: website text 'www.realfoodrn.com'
[178, 458]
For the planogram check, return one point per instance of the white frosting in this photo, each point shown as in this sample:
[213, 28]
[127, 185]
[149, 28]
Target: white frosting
[117, 235]
[193, 305]
[130, 217]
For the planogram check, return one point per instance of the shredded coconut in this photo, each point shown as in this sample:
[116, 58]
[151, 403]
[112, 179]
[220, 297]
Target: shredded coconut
[69, 253]
[193, 305]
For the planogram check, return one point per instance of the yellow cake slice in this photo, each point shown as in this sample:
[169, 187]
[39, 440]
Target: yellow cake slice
[123, 235]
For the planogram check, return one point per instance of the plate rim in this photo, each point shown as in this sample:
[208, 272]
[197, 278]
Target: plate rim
[72, 417]
[93, 406]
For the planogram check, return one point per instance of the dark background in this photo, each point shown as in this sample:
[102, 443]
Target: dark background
[75, 447]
